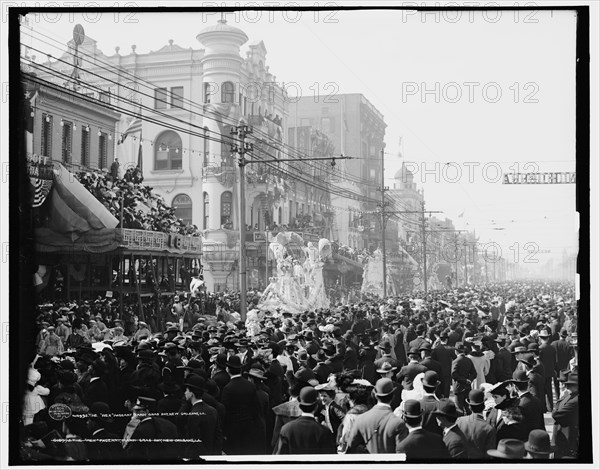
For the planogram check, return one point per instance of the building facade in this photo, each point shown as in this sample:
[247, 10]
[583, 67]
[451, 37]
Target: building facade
[357, 129]
[179, 105]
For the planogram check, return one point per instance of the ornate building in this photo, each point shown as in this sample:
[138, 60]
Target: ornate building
[179, 107]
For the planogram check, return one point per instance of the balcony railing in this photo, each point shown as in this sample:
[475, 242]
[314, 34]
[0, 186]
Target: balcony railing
[145, 240]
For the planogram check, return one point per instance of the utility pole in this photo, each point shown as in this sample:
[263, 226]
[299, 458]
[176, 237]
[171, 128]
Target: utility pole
[383, 224]
[241, 131]
[241, 147]
[424, 235]
[466, 256]
[474, 262]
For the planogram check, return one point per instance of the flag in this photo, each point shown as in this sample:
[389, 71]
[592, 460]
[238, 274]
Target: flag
[140, 162]
[134, 126]
[461, 214]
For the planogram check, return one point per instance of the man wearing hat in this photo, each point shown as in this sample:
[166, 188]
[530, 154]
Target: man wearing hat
[421, 331]
[420, 444]
[454, 439]
[378, 429]
[565, 434]
[429, 402]
[102, 444]
[202, 422]
[321, 370]
[528, 363]
[444, 354]
[242, 421]
[408, 373]
[533, 414]
[386, 356]
[219, 372]
[463, 374]
[502, 360]
[480, 435]
[538, 445]
[152, 436]
[564, 353]
[508, 449]
[304, 435]
[427, 360]
[97, 390]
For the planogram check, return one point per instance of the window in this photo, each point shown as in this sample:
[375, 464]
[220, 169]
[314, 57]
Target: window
[182, 204]
[85, 145]
[177, 97]
[67, 138]
[160, 98]
[226, 156]
[280, 216]
[327, 125]
[206, 205]
[207, 92]
[226, 208]
[102, 151]
[167, 148]
[46, 144]
[205, 156]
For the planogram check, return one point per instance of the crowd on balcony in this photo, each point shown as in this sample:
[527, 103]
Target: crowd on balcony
[142, 208]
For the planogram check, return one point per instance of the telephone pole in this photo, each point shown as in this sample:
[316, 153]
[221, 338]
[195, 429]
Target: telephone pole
[383, 224]
[241, 147]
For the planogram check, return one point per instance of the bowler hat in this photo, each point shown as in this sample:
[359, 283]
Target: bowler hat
[476, 397]
[564, 333]
[385, 346]
[384, 387]
[446, 407]
[196, 383]
[257, 373]
[414, 350]
[385, 368]
[146, 355]
[527, 359]
[144, 402]
[304, 374]
[425, 346]
[412, 409]
[508, 449]
[539, 442]
[573, 379]
[431, 379]
[519, 350]
[234, 362]
[308, 396]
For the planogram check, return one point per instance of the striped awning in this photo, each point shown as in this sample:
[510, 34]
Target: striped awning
[73, 209]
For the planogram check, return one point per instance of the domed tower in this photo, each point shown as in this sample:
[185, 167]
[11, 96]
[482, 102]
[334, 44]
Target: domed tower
[221, 90]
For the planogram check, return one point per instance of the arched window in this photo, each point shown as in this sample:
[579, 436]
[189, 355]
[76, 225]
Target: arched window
[206, 209]
[168, 151]
[228, 92]
[280, 216]
[182, 204]
[226, 209]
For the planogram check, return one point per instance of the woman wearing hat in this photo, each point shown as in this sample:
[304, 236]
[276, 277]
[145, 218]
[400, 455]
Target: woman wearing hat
[358, 398]
[34, 402]
[52, 344]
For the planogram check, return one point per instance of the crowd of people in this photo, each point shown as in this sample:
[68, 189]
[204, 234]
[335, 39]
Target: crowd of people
[456, 374]
[127, 196]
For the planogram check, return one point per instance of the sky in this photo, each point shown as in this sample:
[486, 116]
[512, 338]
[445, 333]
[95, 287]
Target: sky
[465, 98]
